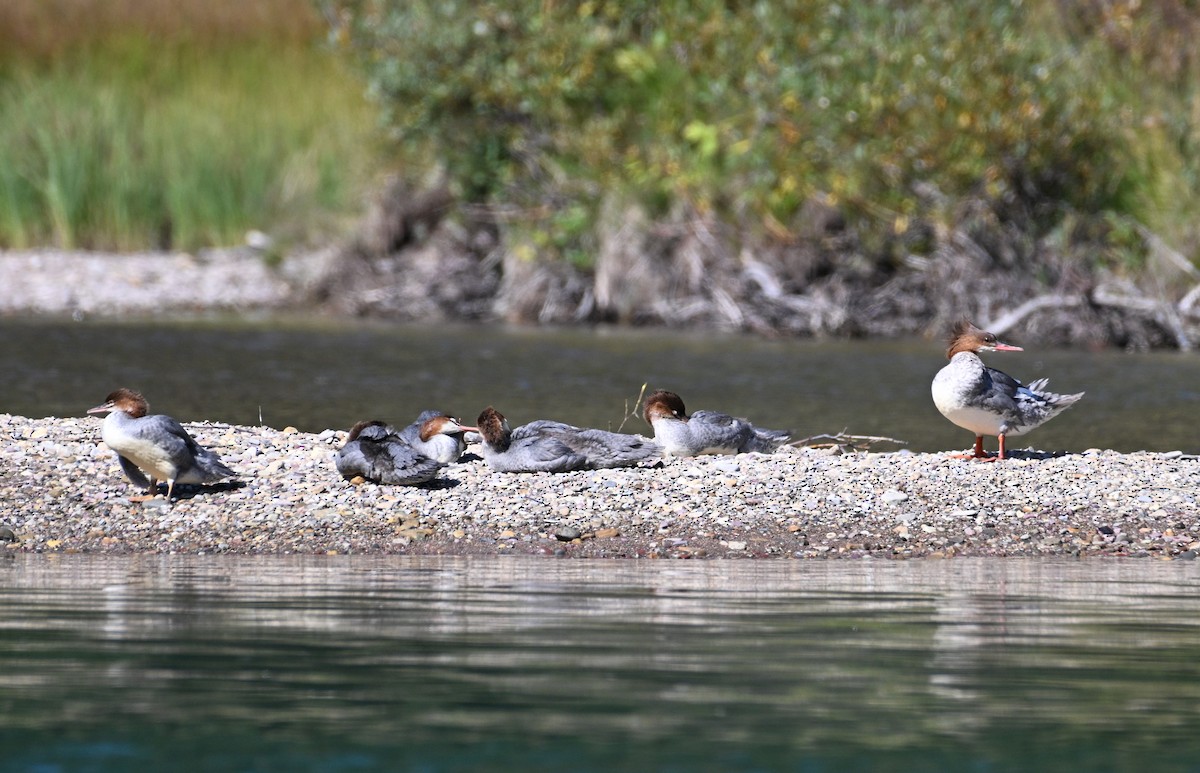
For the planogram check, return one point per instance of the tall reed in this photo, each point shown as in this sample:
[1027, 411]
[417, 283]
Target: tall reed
[169, 135]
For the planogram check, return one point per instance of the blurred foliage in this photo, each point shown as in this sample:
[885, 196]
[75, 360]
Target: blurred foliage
[175, 124]
[748, 110]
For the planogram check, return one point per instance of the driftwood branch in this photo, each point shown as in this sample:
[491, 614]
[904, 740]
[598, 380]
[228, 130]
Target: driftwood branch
[1170, 315]
[1160, 249]
[1188, 302]
[843, 441]
[1163, 311]
[1012, 318]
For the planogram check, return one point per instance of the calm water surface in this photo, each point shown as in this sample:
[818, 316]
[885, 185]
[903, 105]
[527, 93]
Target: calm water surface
[318, 374]
[421, 664]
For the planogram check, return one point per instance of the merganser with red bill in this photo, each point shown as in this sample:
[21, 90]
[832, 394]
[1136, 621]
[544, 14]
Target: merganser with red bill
[154, 445]
[437, 435]
[705, 432]
[375, 452]
[987, 401]
[552, 446]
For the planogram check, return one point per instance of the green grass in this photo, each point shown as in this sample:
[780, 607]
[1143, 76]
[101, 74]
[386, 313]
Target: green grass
[128, 140]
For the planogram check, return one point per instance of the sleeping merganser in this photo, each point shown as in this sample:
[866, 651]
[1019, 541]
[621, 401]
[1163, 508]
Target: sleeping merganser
[157, 445]
[705, 432]
[552, 446]
[987, 401]
[437, 435]
[375, 452]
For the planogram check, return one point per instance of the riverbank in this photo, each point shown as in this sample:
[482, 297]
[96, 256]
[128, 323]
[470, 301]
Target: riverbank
[456, 275]
[63, 491]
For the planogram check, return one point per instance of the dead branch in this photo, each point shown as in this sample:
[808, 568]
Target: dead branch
[1160, 249]
[844, 441]
[1164, 312]
[1014, 317]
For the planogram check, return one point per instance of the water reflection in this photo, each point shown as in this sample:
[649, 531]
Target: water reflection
[321, 374]
[634, 665]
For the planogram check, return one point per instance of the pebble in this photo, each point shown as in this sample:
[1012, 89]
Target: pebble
[796, 504]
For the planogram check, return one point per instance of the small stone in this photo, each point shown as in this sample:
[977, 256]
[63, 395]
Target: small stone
[566, 533]
[607, 533]
[893, 497]
[1188, 555]
[458, 534]
[7, 534]
[735, 545]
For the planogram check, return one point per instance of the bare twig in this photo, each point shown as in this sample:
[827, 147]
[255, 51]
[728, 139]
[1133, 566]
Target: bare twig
[632, 413]
[844, 441]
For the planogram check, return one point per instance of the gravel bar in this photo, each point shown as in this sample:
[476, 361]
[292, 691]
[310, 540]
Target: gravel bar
[61, 491]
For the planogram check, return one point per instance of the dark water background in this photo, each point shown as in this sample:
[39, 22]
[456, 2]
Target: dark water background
[316, 374]
[434, 664]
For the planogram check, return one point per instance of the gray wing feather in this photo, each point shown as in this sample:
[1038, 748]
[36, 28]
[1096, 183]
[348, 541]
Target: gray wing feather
[134, 473]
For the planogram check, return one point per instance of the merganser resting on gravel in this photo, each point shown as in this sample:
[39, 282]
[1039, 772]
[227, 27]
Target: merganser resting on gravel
[437, 435]
[552, 446]
[987, 401]
[375, 452]
[157, 445]
[705, 432]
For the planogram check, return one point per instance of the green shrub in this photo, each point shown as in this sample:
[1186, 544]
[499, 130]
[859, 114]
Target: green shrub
[748, 110]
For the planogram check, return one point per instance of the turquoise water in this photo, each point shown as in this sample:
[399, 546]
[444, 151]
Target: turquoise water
[433, 664]
[316, 375]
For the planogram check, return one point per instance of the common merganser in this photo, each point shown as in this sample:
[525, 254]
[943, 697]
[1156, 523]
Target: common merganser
[157, 445]
[375, 452]
[705, 432]
[987, 401]
[437, 435]
[552, 446]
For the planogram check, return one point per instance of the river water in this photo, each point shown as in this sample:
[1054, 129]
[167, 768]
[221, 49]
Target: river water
[434, 664]
[316, 374]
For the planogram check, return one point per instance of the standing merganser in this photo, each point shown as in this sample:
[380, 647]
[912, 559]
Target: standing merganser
[437, 435]
[375, 452]
[158, 445]
[987, 401]
[705, 432]
[552, 446]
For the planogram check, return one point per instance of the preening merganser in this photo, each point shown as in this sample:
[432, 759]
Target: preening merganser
[552, 446]
[157, 445]
[437, 435]
[705, 432]
[987, 401]
[375, 452]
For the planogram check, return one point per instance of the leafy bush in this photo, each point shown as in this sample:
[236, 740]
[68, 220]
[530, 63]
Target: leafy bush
[747, 110]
